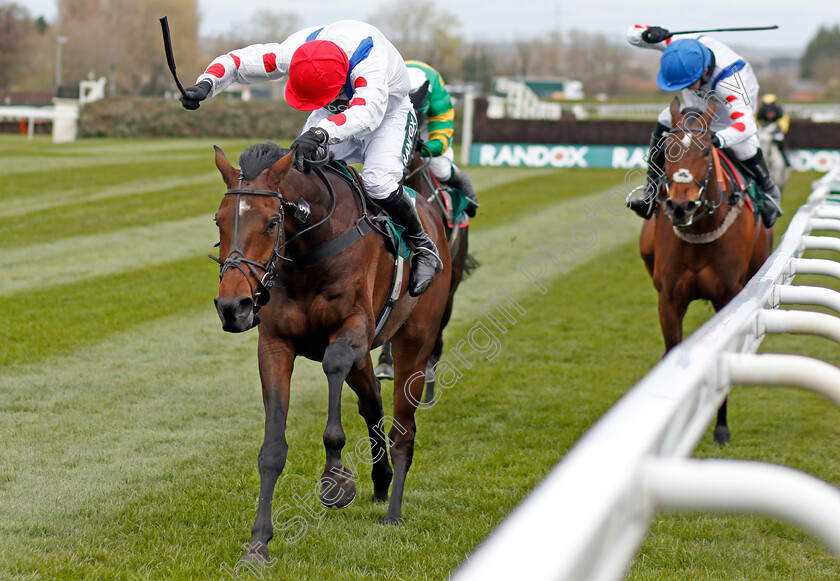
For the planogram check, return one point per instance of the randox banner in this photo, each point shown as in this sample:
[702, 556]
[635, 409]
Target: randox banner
[610, 156]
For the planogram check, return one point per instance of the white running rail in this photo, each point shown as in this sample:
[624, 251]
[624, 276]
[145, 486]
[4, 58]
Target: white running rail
[588, 517]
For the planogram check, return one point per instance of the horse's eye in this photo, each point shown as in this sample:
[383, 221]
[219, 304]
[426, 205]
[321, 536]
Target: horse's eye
[272, 225]
[216, 221]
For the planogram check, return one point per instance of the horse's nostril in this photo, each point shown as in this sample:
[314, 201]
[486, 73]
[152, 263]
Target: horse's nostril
[244, 306]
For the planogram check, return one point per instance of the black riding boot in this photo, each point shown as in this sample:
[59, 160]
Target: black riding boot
[646, 205]
[426, 263]
[772, 206]
[459, 180]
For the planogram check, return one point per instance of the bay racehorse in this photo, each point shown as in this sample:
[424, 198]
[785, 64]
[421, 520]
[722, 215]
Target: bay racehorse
[703, 242]
[298, 249]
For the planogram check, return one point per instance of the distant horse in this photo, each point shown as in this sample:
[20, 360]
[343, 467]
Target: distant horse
[701, 243]
[779, 169]
[298, 248]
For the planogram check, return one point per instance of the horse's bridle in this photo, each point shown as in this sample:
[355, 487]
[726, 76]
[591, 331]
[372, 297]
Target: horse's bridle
[708, 206]
[301, 211]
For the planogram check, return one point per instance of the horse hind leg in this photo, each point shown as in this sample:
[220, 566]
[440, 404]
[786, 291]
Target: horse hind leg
[721, 433]
[385, 366]
[429, 397]
[366, 385]
[409, 379]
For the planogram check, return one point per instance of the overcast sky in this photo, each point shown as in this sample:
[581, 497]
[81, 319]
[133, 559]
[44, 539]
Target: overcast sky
[510, 20]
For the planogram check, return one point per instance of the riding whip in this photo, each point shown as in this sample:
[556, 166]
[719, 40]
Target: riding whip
[774, 27]
[170, 57]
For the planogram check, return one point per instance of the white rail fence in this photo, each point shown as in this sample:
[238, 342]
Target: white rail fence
[588, 517]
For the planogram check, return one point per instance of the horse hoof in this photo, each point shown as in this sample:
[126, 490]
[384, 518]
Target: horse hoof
[256, 552]
[722, 435]
[380, 496]
[337, 491]
[390, 520]
[384, 371]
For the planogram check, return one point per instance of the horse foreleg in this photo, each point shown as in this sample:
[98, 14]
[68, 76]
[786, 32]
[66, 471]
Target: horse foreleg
[671, 313]
[337, 487]
[366, 386]
[276, 365]
[722, 434]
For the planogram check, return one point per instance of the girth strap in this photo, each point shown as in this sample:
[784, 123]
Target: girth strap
[362, 228]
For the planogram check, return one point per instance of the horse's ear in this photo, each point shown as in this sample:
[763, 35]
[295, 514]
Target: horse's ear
[229, 173]
[675, 110]
[711, 108]
[278, 172]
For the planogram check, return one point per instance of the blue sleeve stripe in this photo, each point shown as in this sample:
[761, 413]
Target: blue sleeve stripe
[361, 53]
[729, 71]
[314, 35]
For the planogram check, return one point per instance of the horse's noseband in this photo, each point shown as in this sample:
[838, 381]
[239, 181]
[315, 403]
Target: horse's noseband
[684, 176]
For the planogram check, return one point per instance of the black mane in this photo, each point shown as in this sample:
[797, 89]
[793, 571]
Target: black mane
[258, 157]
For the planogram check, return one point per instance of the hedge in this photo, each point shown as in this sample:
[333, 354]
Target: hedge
[157, 117]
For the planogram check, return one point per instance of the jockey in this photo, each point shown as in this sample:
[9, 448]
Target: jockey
[704, 68]
[356, 84]
[770, 112]
[437, 127]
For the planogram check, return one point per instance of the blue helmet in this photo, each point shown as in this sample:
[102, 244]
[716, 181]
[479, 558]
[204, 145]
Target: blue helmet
[683, 63]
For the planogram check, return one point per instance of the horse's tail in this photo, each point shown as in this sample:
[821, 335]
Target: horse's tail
[470, 264]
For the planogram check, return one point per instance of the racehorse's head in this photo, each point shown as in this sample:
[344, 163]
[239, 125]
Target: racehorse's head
[688, 163]
[251, 232]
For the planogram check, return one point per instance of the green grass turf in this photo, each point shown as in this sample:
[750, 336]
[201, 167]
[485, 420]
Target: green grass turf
[131, 423]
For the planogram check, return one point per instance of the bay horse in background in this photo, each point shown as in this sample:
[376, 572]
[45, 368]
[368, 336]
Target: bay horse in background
[298, 248]
[701, 243]
[419, 178]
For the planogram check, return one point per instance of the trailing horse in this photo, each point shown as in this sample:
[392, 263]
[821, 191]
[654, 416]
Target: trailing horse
[449, 205]
[301, 250]
[703, 242]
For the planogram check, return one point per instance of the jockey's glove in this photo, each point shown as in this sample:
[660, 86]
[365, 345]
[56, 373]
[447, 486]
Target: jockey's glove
[717, 141]
[655, 34]
[306, 146]
[193, 96]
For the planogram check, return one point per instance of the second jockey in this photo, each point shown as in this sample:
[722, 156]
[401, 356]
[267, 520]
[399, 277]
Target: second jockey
[436, 129]
[703, 68]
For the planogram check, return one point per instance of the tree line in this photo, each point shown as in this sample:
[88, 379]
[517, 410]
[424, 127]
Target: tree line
[121, 40]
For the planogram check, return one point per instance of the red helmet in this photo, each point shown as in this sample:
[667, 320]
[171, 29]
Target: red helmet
[317, 74]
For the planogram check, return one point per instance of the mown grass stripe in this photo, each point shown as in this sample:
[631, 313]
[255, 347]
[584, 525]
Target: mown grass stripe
[21, 206]
[108, 215]
[41, 155]
[62, 317]
[72, 260]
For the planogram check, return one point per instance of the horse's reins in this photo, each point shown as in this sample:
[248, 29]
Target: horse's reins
[709, 207]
